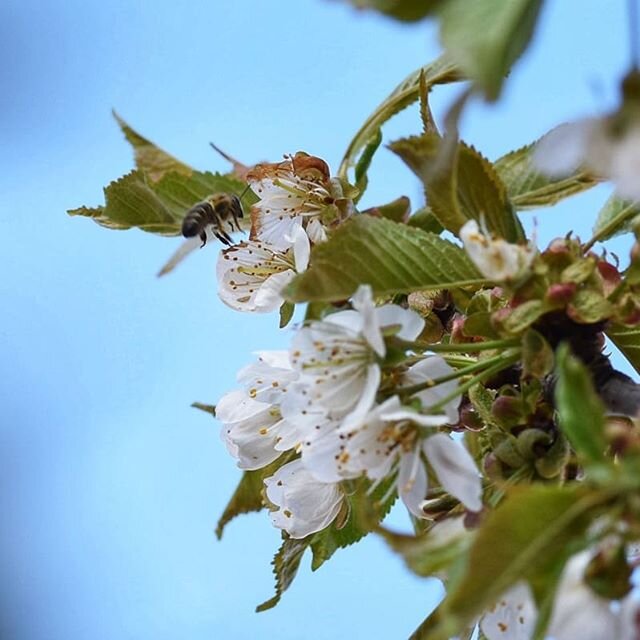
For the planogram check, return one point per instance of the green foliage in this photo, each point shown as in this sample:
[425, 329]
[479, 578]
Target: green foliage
[156, 207]
[529, 536]
[248, 495]
[364, 162]
[537, 355]
[405, 10]
[485, 38]
[580, 411]
[364, 513]
[627, 339]
[615, 218]
[207, 408]
[157, 194]
[390, 257]
[529, 189]
[461, 187]
[286, 314]
[427, 555]
[149, 158]
[426, 220]
[407, 92]
[285, 567]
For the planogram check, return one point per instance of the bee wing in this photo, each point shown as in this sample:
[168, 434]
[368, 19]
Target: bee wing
[180, 254]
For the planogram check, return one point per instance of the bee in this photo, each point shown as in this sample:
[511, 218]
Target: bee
[215, 211]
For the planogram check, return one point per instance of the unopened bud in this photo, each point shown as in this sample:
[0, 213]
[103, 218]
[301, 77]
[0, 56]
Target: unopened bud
[507, 409]
[561, 293]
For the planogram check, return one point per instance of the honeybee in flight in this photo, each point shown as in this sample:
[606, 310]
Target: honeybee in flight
[209, 216]
[215, 211]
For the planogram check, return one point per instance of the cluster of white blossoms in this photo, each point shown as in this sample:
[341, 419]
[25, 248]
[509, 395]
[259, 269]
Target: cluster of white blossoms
[296, 198]
[321, 402]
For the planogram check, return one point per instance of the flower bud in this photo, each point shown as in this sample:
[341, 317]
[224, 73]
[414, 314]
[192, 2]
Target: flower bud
[507, 409]
[561, 293]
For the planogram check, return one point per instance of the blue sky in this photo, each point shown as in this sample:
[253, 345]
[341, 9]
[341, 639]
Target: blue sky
[110, 484]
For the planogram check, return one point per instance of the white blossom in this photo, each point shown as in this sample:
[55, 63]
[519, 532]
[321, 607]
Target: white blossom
[496, 258]
[388, 442]
[579, 612]
[252, 275]
[455, 468]
[304, 504]
[608, 146]
[513, 617]
[431, 368]
[338, 358]
[291, 193]
[253, 428]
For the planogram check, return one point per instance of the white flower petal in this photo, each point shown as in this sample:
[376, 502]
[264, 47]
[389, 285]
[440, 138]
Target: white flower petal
[316, 231]
[250, 430]
[578, 612]
[245, 269]
[432, 368]
[305, 505]
[455, 468]
[366, 398]
[301, 249]
[409, 323]
[497, 259]
[513, 617]
[269, 295]
[412, 482]
[267, 379]
[624, 168]
[362, 301]
[561, 151]
[321, 454]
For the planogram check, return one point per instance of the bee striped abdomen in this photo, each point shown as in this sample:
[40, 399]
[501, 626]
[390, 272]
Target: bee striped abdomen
[214, 211]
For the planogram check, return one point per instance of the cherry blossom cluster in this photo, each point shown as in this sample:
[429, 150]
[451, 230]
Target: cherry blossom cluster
[322, 403]
[298, 200]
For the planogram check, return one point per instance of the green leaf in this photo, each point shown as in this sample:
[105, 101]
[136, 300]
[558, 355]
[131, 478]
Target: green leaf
[615, 218]
[404, 10]
[286, 313]
[156, 207]
[207, 408]
[580, 411]
[285, 566]
[427, 554]
[523, 316]
[537, 355]
[537, 528]
[627, 339]
[407, 92]
[364, 513]
[248, 494]
[365, 162]
[392, 258]
[426, 220]
[469, 189]
[528, 188]
[398, 210]
[485, 38]
[148, 157]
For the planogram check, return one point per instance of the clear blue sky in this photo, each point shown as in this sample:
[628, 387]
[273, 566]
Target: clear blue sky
[110, 485]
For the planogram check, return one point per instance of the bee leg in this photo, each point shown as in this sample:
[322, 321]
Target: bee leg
[223, 237]
[203, 237]
[236, 215]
